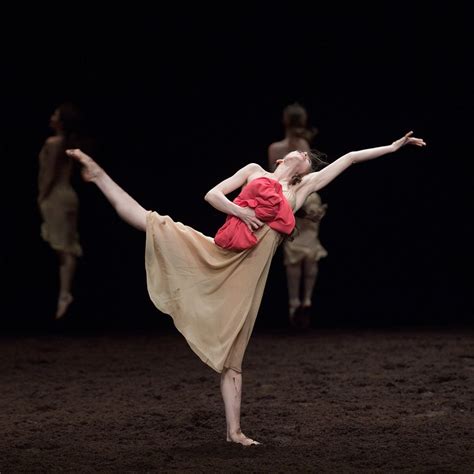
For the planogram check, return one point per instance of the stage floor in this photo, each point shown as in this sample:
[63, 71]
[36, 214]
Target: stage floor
[321, 401]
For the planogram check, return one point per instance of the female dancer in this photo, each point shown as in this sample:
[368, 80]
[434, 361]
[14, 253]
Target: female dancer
[57, 200]
[302, 253]
[212, 288]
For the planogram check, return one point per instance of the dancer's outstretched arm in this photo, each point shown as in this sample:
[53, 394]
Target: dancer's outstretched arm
[127, 208]
[317, 180]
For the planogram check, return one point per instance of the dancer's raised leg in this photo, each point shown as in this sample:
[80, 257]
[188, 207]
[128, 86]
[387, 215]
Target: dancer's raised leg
[127, 208]
[231, 389]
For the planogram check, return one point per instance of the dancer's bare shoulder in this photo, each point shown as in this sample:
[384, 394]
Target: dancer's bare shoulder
[54, 140]
[53, 143]
[255, 171]
[279, 146]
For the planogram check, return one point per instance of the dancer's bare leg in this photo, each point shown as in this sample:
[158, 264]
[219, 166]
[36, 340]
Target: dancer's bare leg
[310, 274]
[231, 389]
[67, 269]
[127, 208]
[293, 277]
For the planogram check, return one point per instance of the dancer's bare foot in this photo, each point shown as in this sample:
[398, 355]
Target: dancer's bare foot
[304, 316]
[240, 438]
[63, 304]
[90, 169]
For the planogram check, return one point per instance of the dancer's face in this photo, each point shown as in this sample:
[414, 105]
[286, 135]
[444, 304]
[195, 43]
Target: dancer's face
[301, 161]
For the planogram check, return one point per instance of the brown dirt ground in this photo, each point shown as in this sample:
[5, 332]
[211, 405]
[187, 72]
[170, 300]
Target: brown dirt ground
[329, 400]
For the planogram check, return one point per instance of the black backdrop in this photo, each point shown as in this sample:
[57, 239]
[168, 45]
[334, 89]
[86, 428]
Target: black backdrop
[179, 101]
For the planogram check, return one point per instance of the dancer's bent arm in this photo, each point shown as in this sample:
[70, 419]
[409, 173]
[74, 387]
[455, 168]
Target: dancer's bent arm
[216, 197]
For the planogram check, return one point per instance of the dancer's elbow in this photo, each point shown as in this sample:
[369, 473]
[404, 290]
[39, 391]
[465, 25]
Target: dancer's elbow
[351, 158]
[209, 196]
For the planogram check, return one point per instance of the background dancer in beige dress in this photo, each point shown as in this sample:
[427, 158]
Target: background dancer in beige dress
[57, 199]
[213, 294]
[301, 257]
[301, 253]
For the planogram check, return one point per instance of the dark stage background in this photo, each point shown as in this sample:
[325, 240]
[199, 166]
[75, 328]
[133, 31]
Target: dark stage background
[179, 101]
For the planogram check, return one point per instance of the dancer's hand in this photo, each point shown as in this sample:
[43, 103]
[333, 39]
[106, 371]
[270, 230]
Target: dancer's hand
[247, 214]
[90, 171]
[407, 139]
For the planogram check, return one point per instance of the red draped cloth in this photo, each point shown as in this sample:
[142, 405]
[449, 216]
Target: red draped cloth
[265, 196]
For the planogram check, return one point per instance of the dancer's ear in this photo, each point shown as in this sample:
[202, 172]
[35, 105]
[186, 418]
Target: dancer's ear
[279, 162]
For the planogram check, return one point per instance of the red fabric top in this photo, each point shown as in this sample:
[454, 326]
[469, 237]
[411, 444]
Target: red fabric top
[265, 196]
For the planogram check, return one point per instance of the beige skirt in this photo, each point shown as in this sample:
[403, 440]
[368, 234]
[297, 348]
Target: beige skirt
[212, 294]
[60, 216]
